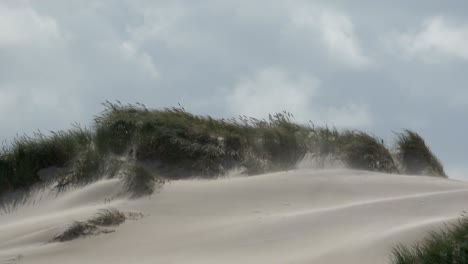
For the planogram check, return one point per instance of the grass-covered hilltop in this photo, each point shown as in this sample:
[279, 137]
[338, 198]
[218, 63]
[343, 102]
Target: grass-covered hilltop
[143, 144]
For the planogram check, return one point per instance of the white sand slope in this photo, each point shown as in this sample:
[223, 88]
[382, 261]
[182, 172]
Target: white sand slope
[304, 216]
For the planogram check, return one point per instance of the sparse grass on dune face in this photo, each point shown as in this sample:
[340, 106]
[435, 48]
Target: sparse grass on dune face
[449, 245]
[108, 217]
[416, 157]
[176, 144]
[105, 218]
[139, 181]
[76, 230]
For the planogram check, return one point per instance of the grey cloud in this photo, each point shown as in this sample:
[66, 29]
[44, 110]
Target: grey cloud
[69, 56]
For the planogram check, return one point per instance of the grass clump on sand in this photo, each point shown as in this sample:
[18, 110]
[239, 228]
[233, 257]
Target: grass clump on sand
[84, 168]
[186, 144]
[105, 218]
[415, 156]
[174, 144]
[76, 230]
[25, 156]
[139, 181]
[357, 149]
[362, 151]
[449, 245]
[108, 217]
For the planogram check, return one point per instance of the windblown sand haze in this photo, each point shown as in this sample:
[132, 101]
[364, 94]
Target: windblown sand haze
[297, 216]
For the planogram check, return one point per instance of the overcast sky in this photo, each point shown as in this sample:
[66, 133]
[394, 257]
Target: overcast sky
[374, 65]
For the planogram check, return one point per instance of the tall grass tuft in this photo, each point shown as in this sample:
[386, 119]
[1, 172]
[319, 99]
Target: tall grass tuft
[415, 156]
[108, 217]
[76, 230]
[449, 245]
[94, 226]
[139, 181]
[362, 151]
[21, 161]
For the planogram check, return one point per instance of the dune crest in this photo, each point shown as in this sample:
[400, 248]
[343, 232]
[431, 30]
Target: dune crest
[298, 216]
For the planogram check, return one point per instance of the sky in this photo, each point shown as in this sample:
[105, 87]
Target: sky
[378, 66]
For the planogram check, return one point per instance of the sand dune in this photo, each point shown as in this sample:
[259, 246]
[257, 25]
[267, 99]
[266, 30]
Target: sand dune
[303, 216]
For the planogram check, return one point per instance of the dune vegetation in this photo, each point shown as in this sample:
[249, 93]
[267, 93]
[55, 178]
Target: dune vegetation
[416, 157]
[153, 145]
[94, 226]
[448, 245]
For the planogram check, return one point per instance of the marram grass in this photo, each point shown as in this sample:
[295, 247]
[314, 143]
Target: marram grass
[416, 157]
[94, 226]
[448, 245]
[173, 144]
[26, 155]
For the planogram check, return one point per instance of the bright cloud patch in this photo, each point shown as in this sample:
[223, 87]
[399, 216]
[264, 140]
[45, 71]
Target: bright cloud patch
[141, 59]
[272, 90]
[7, 99]
[159, 22]
[337, 34]
[437, 37]
[25, 25]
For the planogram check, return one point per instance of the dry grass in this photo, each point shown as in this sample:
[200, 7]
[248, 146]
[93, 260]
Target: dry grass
[94, 226]
[76, 230]
[108, 217]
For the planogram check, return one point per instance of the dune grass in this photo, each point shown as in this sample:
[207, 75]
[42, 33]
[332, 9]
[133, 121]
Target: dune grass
[448, 245]
[76, 230]
[416, 157]
[362, 151]
[188, 144]
[94, 226]
[26, 155]
[139, 181]
[84, 168]
[176, 144]
[108, 217]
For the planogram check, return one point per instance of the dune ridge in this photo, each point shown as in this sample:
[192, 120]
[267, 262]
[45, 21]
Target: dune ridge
[297, 216]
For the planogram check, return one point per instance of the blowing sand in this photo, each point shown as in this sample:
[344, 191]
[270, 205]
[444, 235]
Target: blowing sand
[303, 216]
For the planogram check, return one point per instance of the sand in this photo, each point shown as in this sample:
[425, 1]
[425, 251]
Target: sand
[301, 216]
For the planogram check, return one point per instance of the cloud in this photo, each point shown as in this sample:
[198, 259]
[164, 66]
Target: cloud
[158, 23]
[337, 34]
[270, 91]
[133, 55]
[19, 26]
[8, 99]
[349, 116]
[35, 74]
[54, 72]
[437, 38]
